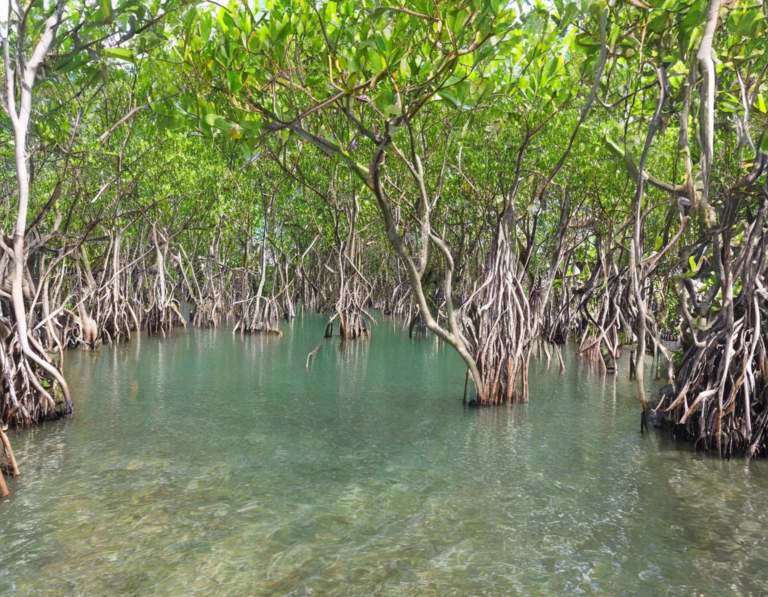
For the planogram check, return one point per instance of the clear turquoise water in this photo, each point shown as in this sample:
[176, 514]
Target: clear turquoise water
[207, 464]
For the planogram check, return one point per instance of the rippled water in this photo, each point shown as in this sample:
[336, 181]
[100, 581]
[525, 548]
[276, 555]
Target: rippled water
[207, 464]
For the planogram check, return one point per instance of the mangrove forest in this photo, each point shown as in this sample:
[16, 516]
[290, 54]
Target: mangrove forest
[383, 297]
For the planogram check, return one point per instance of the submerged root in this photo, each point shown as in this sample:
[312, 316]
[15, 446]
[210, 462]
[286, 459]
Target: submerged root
[590, 352]
[417, 325]
[89, 329]
[115, 318]
[259, 315]
[207, 313]
[497, 321]
[162, 320]
[8, 463]
[721, 397]
[354, 324]
[354, 321]
[33, 389]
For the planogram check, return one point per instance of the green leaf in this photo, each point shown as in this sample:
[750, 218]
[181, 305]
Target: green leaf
[120, 54]
[235, 81]
[205, 27]
[217, 121]
[330, 12]
[106, 9]
[550, 69]
[448, 97]
[67, 65]
[761, 103]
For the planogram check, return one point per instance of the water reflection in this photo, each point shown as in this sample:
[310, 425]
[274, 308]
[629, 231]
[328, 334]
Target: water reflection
[209, 464]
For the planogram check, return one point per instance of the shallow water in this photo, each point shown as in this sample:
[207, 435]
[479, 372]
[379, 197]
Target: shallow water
[207, 464]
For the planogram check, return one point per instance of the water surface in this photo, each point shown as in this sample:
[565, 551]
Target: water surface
[207, 464]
